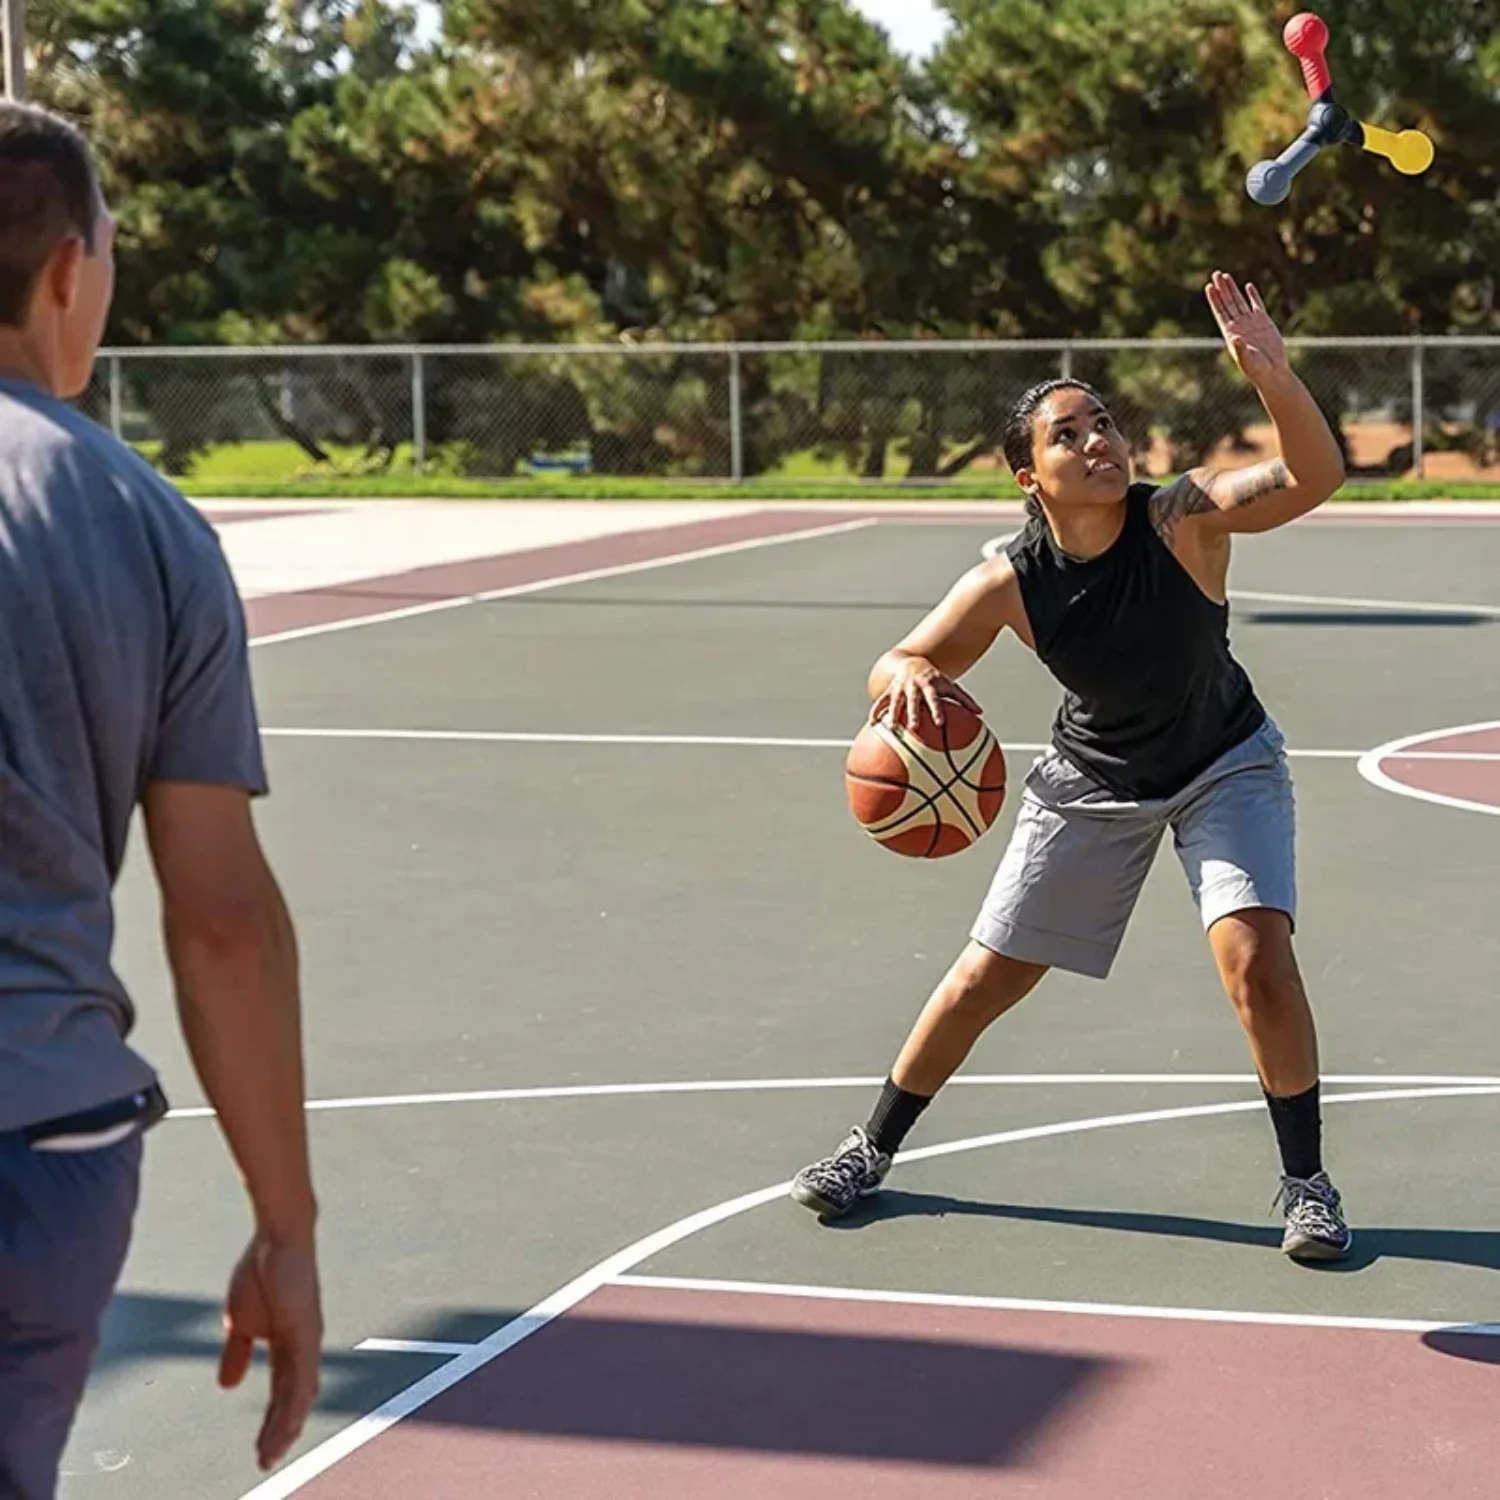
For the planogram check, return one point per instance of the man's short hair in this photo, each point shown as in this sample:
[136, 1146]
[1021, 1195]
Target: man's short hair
[48, 192]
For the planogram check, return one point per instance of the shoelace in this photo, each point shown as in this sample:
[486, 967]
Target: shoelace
[849, 1167]
[1312, 1207]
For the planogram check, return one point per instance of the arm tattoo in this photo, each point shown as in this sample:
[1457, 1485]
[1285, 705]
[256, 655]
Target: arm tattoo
[1236, 490]
[1183, 498]
[1244, 487]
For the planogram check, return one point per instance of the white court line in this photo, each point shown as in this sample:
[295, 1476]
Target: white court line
[716, 741]
[321, 1458]
[412, 1346]
[1410, 606]
[1370, 767]
[618, 570]
[996, 545]
[796, 1085]
[530, 737]
[1037, 1305]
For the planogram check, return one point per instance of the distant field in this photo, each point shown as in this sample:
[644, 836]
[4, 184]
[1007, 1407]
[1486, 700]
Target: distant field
[276, 469]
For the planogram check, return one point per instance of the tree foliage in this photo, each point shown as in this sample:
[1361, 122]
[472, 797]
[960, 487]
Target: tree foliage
[325, 171]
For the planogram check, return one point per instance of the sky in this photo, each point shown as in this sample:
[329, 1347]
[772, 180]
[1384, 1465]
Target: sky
[915, 26]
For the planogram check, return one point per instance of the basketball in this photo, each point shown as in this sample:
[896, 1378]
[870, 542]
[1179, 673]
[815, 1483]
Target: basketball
[927, 792]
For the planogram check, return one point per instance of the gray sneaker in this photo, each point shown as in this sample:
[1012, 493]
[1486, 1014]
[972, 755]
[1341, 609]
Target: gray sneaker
[1315, 1227]
[833, 1186]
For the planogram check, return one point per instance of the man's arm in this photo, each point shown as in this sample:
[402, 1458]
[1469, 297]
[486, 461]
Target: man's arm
[233, 954]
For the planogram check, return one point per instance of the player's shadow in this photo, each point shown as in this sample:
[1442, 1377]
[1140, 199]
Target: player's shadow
[1479, 1346]
[1456, 1247]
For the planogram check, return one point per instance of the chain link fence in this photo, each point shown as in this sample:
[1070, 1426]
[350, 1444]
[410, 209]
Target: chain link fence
[927, 411]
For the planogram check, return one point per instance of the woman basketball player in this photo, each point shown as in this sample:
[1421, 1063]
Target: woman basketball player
[1120, 590]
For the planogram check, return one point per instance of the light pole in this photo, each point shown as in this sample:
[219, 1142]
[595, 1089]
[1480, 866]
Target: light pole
[14, 14]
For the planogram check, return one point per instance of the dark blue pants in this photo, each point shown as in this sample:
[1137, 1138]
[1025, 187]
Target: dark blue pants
[65, 1222]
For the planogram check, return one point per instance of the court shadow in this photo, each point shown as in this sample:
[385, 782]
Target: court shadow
[1458, 1247]
[1385, 617]
[144, 1331]
[894, 1393]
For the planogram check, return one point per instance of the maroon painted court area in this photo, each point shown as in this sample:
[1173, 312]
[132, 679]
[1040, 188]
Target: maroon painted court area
[1469, 780]
[370, 598]
[642, 1393]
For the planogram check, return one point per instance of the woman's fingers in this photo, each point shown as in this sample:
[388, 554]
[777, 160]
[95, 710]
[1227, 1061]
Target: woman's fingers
[913, 703]
[1217, 306]
[907, 698]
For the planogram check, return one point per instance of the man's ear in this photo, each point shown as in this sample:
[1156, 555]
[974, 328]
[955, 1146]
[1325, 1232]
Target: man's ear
[60, 277]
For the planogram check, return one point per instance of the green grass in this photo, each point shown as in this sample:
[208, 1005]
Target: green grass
[587, 488]
[274, 463]
[267, 470]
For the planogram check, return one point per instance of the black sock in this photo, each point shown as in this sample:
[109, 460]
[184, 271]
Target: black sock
[1299, 1132]
[895, 1114]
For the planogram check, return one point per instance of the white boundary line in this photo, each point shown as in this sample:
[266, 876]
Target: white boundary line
[1334, 601]
[618, 570]
[996, 544]
[1036, 1305]
[820, 1293]
[321, 1458]
[712, 741]
[1369, 766]
[796, 1085]
[411, 1346]
[529, 737]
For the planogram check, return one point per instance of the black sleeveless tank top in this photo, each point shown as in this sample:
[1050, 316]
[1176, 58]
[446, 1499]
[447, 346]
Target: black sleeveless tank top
[1152, 694]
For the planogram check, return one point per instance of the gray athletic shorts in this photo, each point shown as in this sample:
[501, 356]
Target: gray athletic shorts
[1079, 855]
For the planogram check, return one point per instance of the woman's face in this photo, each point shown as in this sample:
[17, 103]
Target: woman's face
[1079, 456]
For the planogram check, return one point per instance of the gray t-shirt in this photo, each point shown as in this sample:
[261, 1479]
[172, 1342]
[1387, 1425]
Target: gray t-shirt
[123, 661]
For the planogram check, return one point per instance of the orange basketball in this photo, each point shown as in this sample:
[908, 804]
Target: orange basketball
[929, 792]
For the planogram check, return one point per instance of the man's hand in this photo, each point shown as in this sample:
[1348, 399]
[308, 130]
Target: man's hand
[274, 1299]
[1255, 343]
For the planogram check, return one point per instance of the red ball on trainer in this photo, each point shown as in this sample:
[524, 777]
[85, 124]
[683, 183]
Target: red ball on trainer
[926, 792]
[1305, 35]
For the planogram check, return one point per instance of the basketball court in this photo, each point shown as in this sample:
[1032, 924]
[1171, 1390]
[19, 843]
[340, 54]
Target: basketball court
[596, 958]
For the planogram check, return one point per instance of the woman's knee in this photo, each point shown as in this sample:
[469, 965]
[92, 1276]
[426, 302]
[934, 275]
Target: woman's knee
[1256, 960]
[984, 985]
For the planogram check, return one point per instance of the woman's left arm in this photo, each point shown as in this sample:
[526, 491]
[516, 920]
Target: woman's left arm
[1310, 467]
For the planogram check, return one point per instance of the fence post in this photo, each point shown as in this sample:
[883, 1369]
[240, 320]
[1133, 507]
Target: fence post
[13, 14]
[1067, 363]
[116, 398]
[736, 420]
[418, 411]
[1418, 409]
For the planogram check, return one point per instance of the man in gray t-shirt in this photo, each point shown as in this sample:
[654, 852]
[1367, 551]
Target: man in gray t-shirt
[124, 683]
